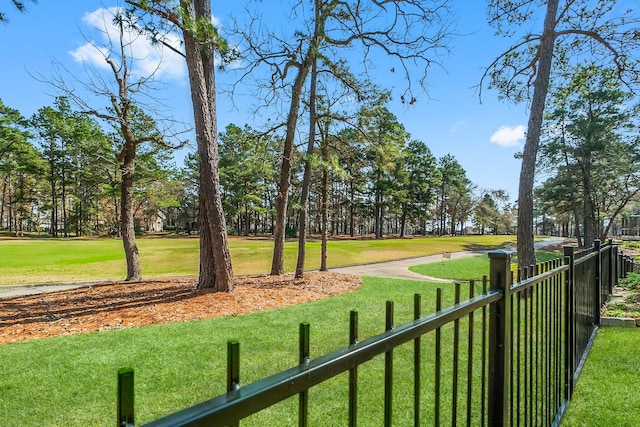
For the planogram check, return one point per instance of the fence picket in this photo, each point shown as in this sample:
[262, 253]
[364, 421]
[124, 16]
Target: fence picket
[303, 397]
[388, 370]
[437, 370]
[417, 359]
[353, 372]
[125, 398]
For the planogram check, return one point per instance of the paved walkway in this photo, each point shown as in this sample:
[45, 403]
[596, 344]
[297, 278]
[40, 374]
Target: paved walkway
[398, 269]
[22, 290]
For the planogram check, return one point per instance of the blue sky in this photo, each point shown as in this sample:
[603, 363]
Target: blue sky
[449, 118]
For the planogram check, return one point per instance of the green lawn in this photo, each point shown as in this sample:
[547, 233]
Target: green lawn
[606, 393]
[68, 260]
[456, 269]
[71, 380]
[470, 268]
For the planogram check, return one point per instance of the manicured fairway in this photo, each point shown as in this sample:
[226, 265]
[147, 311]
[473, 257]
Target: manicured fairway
[68, 260]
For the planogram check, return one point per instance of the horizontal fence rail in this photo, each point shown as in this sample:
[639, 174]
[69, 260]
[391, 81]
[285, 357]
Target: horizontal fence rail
[532, 335]
[238, 404]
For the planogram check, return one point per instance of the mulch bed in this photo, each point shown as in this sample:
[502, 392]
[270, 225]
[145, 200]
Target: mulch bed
[130, 304]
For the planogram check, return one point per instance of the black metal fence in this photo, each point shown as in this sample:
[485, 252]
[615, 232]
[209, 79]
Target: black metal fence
[516, 351]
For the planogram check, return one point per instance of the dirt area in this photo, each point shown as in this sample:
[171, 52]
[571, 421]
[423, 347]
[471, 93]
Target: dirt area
[131, 304]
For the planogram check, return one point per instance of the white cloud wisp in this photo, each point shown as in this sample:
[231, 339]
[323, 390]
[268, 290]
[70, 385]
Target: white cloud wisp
[509, 136]
[147, 59]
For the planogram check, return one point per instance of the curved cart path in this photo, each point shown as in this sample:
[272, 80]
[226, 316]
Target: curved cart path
[400, 269]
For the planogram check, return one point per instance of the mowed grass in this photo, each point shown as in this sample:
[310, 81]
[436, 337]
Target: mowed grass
[71, 381]
[469, 268]
[606, 393]
[69, 260]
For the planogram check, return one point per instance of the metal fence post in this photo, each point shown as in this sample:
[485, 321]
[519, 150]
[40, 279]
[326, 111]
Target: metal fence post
[499, 339]
[569, 318]
[353, 372]
[303, 398]
[125, 398]
[233, 368]
[417, 359]
[597, 290]
[388, 369]
[612, 273]
[621, 266]
[615, 271]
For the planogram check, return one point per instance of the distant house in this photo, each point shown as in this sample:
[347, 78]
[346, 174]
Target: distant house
[156, 222]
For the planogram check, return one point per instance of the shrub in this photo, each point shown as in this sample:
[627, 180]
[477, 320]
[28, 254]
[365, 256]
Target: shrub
[631, 282]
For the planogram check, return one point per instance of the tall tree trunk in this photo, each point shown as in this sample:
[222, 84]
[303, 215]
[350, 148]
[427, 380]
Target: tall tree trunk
[54, 199]
[453, 221]
[247, 219]
[63, 196]
[588, 214]
[207, 270]
[306, 181]
[79, 219]
[11, 210]
[277, 262]
[2, 201]
[526, 250]
[403, 219]
[574, 203]
[377, 208]
[351, 209]
[54, 209]
[325, 218]
[219, 273]
[441, 231]
[134, 270]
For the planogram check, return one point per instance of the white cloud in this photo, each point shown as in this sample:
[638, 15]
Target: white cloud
[509, 136]
[215, 21]
[91, 54]
[145, 59]
[457, 126]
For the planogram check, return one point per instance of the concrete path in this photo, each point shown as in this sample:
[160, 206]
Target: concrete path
[23, 290]
[398, 269]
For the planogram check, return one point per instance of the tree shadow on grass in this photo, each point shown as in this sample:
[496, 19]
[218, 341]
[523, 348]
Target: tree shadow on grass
[90, 301]
[478, 247]
[130, 304]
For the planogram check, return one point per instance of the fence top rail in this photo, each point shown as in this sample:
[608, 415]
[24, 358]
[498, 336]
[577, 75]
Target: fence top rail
[531, 281]
[232, 407]
[586, 257]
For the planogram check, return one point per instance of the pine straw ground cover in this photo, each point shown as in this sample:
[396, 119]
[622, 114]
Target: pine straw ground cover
[121, 305]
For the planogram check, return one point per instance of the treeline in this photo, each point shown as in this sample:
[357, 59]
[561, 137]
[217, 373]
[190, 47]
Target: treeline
[61, 176]
[589, 156]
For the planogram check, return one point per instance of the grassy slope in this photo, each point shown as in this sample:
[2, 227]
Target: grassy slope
[64, 260]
